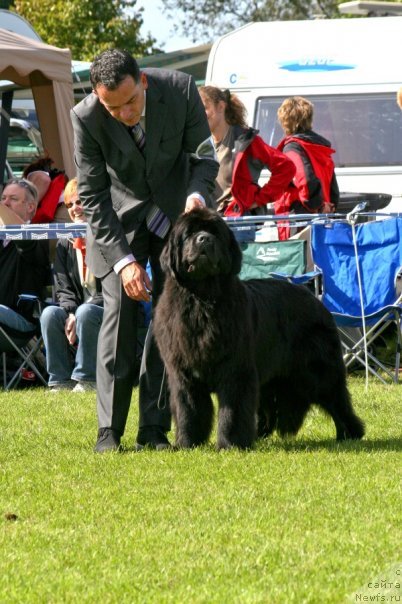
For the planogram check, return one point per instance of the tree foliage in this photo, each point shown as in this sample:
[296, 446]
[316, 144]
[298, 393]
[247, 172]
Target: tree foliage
[204, 20]
[87, 26]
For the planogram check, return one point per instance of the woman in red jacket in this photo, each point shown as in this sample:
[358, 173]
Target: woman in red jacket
[242, 155]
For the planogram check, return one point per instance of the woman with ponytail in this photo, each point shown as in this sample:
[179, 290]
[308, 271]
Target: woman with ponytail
[242, 155]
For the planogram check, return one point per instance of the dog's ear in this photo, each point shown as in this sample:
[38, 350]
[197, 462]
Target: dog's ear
[235, 253]
[170, 256]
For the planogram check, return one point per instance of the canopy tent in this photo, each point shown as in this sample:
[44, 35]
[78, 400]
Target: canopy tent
[47, 71]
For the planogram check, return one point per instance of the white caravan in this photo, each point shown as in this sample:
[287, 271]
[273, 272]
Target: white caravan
[350, 69]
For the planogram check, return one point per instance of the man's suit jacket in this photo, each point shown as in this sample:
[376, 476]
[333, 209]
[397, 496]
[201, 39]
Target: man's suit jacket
[117, 183]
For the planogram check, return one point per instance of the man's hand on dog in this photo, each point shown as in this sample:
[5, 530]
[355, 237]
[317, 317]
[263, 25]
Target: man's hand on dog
[136, 282]
[193, 202]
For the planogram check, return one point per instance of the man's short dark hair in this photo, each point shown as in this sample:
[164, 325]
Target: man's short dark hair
[111, 67]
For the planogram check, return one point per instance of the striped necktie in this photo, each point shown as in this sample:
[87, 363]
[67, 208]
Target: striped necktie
[139, 136]
[157, 221]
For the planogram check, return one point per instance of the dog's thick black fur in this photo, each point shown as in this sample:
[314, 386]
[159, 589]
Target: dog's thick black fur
[264, 346]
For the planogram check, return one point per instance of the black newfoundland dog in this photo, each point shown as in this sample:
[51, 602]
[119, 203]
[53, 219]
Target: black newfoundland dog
[267, 348]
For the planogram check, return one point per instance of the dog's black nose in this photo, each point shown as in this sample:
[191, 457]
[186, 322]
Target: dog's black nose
[204, 238]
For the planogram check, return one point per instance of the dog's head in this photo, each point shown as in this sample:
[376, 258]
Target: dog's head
[201, 245]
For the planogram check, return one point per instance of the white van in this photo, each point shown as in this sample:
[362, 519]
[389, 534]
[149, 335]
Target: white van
[350, 69]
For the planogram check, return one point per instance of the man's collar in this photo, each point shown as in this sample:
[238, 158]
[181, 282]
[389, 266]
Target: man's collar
[145, 103]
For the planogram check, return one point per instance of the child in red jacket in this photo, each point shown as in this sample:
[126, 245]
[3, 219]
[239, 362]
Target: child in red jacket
[314, 187]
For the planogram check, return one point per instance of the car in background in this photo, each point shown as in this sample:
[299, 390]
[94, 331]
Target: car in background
[26, 112]
[24, 145]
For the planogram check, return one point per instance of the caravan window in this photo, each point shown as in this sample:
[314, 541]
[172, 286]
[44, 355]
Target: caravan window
[364, 129]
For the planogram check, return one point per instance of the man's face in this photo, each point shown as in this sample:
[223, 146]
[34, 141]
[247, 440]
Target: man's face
[126, 102]
[15, 197]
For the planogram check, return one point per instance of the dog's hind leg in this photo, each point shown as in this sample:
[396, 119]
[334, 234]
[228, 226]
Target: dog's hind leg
[337, 403]
[291, 420]
[282, 408]
[266, 422]
[292, 408]
[267, 412]
[323, 377]
[237, 415]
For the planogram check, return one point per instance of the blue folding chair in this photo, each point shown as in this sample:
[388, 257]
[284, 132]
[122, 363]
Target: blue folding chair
[360, 264]
[23, 347]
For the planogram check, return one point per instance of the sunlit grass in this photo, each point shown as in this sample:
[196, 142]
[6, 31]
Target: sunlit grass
[302, 520]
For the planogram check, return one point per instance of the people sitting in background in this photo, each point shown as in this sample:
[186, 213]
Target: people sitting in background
[242, 155]
[314, 187]
[70, 331]
[24, 264]
[50, 184]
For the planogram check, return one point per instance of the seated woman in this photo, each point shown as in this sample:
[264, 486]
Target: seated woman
[242, 155]
[77, 319]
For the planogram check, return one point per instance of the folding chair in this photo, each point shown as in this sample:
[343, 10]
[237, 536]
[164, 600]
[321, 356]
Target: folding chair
[261, 260]
[264, 256]
[360, 264]
[25, 346]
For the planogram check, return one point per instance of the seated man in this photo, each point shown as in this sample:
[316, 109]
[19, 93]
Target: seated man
[24, 264]
[50, 183]
[77, 319]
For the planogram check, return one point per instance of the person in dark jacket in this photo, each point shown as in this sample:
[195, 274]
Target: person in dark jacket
[314, 188]
[242, 155]
[143, 154]
[76, 322]
[24, 264]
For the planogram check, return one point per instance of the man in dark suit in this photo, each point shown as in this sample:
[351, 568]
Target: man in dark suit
[133, 182]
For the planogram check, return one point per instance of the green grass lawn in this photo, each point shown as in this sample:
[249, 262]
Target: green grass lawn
[302, 520]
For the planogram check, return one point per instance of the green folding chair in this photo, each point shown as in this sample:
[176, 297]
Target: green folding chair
[262, 259]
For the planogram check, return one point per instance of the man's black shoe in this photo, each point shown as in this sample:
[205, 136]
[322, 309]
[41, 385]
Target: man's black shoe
[152, 437]
[108, 440]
